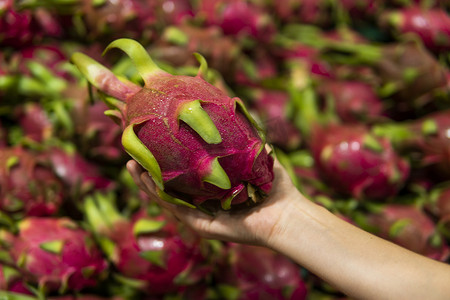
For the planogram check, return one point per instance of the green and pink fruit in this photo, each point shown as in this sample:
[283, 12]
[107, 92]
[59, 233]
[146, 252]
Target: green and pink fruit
[58, 254]
[197, 143]
[254, 273]
[409, 227]
[357, 163]
[29, 187]
[431, 26]
[353, 101]
[151, 251]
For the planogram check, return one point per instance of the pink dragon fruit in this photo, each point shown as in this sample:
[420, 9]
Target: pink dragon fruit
[409, 227]
[353, 101]
[99, 136]
[432, 26]
[15, 27]
[58, 254]
[78, 174]
[196, 142]
[433, 139]
[357, 163]
[150, 250]
[29, 186]
[259, 273]
[130, 17]
[315, 12]
[238, 18]
[34, 122]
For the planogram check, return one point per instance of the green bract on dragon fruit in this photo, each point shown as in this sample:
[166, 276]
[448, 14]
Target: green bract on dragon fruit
[199, 145]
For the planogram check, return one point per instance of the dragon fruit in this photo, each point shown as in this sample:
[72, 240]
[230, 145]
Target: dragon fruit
[151, 250]
[58, 254]
[79, 175]
[409, 227]
[353, 101]
[315, 12]
[15, 27]
[405, 71]
[434, 140]
[428, 135]
[431, 26]
[260, 273]
[238, 18]
[34, 122]
[29, 185]
[357, 163]
[196, 142]
[99, 136]
[129, 17]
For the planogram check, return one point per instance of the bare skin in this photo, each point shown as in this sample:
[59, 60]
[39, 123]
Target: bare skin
[355, 262]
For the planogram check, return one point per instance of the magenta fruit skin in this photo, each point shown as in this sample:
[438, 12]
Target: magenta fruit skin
[358, 164]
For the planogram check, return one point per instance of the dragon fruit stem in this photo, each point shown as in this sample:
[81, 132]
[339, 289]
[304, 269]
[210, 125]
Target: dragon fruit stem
[143, 62]
[102, 78]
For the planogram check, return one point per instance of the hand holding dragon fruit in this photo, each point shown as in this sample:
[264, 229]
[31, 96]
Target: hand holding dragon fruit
[197, 143]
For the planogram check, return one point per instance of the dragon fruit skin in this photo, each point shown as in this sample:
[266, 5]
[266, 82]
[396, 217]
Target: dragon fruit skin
[260, 273]
[434, 140]
[354, 101]
[179, 256]
[58, 254]
[215, 153]
[356, 163]
[15, 27]
[314, 12]
[151, 250]
[76, 172]
[29, 186]
[432, 26]
[100, 137]
[238, 18]
[409, 227]
[34, 122]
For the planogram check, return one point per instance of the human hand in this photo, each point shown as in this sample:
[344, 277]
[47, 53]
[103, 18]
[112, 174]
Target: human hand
[256, 226]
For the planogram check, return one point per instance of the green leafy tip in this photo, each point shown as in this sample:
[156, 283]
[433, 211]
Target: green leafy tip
[139, 152]
[140, 57]
[193, 114]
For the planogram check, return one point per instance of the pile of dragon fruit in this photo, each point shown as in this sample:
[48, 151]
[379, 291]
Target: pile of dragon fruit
[353, 98]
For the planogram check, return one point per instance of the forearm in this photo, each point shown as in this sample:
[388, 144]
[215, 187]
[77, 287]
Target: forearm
[356, 262]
